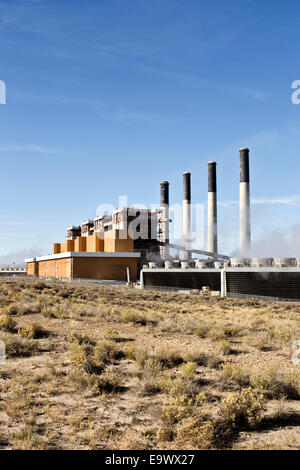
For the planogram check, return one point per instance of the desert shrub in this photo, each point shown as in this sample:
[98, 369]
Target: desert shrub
[292, 379]
[7, 323]
[165, 433]
[111, 334]
[38, 285]
[275, 384]
[193, 432]
[264, 378]
[11, 310]
[285, 334]
[65, 293]
[230, 331]
[106, 352]
[152, 366]
[224, 347]
[150, 379]
[107, 382]
[130, 352]
[32, 330]
[28, 439]
[79, 352]
[141, 356]
[48, 313]
[195, 355]
[133, 317]
[189, 369]
[260, 341]
[18, 347]
[202, 330]
[244, 409]
[93, 358]
[82, 339]
[149, 385]
[177, 386]
[235, 373]
[180, 407]
[168, 356]
[202, 359]
[217, 334]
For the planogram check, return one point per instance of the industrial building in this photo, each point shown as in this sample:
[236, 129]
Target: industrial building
[132, 244]
[103, 248]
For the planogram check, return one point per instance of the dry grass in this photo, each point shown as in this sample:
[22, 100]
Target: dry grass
[94, 367]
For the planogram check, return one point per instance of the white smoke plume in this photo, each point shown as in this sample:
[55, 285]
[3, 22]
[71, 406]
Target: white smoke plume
[276, 244]
[18, 257]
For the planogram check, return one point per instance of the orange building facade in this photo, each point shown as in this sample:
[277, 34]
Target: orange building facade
[84, 265]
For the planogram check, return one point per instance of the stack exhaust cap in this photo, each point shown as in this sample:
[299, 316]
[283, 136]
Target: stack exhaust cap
[165, 219]
[244, 165]
[187, 186]
[164, 192]
[212, 177]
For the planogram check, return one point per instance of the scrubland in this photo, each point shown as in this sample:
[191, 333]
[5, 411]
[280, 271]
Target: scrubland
[96, 367]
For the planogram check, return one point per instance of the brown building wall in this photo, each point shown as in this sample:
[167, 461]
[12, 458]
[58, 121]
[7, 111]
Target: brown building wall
[86, 268]
[94, 243]
[42, 268]
[32, 269]
[112, 243]
[63, 268]
[51, 268]
[68, 245]
[80, 244]
[104, 268]
[56, 248]
[60, 268]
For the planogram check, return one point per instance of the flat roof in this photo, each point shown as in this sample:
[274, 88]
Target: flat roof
[85, 254]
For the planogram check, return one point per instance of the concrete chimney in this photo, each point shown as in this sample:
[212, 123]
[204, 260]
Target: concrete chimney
[245, 231]
[164, 219]
[186, 214]
[212, 229]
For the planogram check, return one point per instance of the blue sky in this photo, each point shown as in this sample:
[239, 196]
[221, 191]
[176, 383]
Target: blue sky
[109, 97]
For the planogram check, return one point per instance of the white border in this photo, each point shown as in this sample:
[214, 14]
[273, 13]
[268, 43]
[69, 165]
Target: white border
[85, 254]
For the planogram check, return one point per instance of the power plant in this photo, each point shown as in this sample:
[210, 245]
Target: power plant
[133, 244]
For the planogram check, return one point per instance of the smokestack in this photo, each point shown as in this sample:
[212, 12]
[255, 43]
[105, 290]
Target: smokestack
[212, 229]
[165, 220]
[245, 233]
[186, 214]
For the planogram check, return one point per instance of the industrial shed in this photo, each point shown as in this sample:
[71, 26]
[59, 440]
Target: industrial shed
[84, 265]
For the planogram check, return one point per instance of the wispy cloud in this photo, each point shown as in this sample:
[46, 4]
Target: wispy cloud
[286, 200]
[227, 204]
[31, 148]
[293, 200]
[126, 117]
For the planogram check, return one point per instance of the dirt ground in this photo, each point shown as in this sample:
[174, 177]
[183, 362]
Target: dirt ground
[97, 367]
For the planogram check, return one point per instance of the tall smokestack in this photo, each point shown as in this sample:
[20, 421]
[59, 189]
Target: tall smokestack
[165, 220]
[212, 229]
[245, 232]
[186, 213]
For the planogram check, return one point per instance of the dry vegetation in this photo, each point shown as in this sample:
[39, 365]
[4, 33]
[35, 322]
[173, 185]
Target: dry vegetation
[96, 367]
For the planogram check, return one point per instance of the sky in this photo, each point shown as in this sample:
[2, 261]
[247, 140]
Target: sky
[110, 97]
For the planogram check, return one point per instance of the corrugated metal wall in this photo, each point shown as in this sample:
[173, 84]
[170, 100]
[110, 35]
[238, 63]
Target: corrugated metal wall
[185, 279]
[283, 285]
